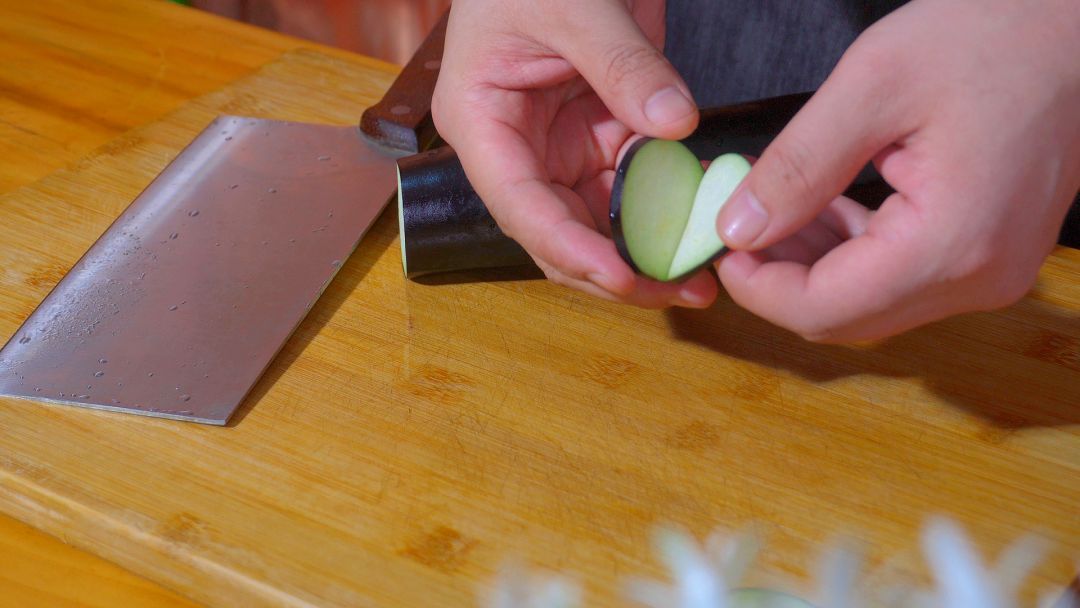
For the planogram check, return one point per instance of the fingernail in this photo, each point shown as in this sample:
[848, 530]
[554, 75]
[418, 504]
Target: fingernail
[746, 220]
[602, 281]
[667, 106]
[690, 299]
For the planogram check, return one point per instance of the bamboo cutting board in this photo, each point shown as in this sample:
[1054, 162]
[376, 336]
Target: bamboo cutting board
[411, 438]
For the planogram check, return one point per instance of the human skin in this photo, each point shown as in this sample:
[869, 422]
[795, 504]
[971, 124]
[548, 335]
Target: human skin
[969, 109]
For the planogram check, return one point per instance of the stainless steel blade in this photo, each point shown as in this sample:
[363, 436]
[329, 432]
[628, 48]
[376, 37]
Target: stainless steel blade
[183, 302]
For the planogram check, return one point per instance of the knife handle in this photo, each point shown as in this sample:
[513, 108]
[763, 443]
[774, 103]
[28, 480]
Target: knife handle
[401, 120]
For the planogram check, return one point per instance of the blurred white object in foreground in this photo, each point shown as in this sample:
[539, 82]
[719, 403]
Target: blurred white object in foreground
[709, 575]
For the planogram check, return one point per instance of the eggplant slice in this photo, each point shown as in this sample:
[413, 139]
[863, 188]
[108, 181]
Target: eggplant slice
[664, 207]
[651, 200]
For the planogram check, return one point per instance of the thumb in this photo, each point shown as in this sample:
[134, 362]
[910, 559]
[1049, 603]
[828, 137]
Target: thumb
[630, 74]
[810, 163]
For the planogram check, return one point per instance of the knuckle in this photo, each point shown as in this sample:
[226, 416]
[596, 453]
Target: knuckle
[869, 57]
[438, 113]
[628, 63]
[873, 63]
[441, 110]
[872, 56]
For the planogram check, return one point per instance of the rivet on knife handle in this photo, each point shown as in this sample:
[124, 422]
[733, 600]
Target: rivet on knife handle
[402, 119]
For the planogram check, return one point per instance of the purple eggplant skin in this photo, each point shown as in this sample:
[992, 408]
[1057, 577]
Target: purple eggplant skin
[446, 227]
[615, 209]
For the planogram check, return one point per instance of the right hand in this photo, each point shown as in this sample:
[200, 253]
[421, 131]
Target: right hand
[538, 99]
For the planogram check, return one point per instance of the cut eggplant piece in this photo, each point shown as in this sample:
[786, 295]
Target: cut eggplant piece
[444, 225]
[651, 200]
[664, 207]
[701, 244]
[764, 598]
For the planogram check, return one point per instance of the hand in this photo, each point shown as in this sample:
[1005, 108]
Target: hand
[971, 111]
[537, 98]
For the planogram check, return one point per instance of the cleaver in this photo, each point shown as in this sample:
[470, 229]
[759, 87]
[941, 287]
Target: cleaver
[180, 306]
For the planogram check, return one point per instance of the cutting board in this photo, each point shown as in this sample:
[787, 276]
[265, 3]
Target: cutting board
[411, 438]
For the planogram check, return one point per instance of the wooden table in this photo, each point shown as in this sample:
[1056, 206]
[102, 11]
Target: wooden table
[410, 438]
[138, 59]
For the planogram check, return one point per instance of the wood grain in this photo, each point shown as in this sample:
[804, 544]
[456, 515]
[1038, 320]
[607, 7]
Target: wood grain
[74, 75]
[410, 438]
[36, 570]
[63, 65]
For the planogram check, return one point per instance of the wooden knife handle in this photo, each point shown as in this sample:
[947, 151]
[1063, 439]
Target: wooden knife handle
[402, 119]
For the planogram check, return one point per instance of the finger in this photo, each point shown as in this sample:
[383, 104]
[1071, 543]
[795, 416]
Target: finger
[872, 286]
[842, 220]
[815, 157]
[547, 221]
[628, 72]
[596, 192]
[699, 291]
[798, 248]
[584, 139]
[845, 218]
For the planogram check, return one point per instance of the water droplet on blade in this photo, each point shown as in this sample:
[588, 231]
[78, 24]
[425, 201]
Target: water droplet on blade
[103, 360]
[174, 235]
[234, 186]
[193, 213]
[185, 397]
[99, 374]
[24, 340]
[335, 263]
[173, 307]
[324, 157]
[272, 190]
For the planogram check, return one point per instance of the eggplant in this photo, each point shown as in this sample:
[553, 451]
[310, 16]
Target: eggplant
[443, 224]
[664, 207]
[446, 227]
